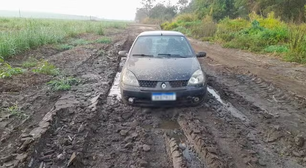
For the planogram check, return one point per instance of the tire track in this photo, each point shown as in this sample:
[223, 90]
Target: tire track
[203, 142]
[175, 153]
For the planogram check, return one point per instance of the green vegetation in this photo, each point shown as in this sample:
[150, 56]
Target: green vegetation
[7, 71]
[46, 68]
[276, 49]
[64, 47]
[30, 62]
[77, 42]
[257, 34]
[104, 40]
[260, 26]
[63, 83]
[19, 34]
[16, 111]
[42, 67]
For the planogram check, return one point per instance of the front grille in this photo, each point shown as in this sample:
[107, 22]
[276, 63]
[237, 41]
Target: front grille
[148, 84]
[181, 83]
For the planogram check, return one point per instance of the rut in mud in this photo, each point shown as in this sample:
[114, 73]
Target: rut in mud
[246, 122]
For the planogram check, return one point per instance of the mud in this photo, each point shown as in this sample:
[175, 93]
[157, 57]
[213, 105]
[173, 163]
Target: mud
[247, 121]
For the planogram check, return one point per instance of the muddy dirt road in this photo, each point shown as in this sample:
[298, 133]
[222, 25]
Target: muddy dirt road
[251, 119]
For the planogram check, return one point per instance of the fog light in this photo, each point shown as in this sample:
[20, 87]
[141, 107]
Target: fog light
[131, 100]
[196, 99]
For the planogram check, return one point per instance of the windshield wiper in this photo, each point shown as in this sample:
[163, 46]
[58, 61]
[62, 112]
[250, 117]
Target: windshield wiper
[143, 55]
[172, 55]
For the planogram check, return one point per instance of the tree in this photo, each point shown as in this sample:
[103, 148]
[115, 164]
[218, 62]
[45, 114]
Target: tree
[141, 14]
[162, 12]
[218, 9]
[147, 5]
[182, 4]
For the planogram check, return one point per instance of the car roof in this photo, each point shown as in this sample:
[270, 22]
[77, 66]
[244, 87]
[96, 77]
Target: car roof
[160, 33]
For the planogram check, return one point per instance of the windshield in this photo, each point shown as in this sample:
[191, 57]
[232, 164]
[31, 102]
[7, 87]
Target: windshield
[162, 46]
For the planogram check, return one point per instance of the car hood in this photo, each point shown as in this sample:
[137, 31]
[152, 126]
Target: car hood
[163, 69]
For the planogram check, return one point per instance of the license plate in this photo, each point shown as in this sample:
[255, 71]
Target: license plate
[163, 96]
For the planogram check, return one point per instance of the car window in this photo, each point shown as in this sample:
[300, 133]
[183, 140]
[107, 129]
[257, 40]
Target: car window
[162, 46]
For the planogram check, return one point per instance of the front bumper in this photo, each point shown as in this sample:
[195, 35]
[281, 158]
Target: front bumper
[143, 97]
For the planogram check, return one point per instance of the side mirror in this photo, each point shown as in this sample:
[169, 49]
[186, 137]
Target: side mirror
[123, 53]
[201, 54]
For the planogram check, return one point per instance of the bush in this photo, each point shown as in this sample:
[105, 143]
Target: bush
[190, 24]
[186, 17]
[254, 38]
[247, 42]
[170, 26]
[227, 29]
[183, 30]
[207, 28]
[269, 22]
[165, 24]
[297, 44]
[233, 25]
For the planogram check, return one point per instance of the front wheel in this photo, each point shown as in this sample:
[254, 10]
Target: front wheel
[202, 100]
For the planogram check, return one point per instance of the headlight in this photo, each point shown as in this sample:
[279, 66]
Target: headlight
[129, 78]
[197, 78]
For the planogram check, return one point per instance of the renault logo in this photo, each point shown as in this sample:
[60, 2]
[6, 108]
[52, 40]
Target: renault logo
[163, 86]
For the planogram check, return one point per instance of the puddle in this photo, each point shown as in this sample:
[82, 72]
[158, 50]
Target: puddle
[166, 125]
[115, 90]
[234, 112]
[215, 94]
[173, 130]
[169, 124]
[114, 93]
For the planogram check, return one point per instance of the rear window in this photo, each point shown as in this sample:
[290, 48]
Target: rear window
[162, 46]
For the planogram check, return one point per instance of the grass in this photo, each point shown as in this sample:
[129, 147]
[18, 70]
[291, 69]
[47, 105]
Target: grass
[257, 34]
[80, 42]
[16, 111]
[104, 40]
[64, 83]
[19, 34]
[64, 47]
[30, 62]
[101, 52]
[276, 49]
[46, 68]
[7, 71]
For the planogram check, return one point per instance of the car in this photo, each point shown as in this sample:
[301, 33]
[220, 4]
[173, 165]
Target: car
[162, 69]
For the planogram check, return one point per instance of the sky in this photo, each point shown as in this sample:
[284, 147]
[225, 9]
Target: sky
[107, 9]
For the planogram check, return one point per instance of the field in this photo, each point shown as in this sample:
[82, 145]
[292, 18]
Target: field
[19, 35]
[60, 105]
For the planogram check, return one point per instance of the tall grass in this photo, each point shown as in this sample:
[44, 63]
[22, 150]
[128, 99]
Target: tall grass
[259, 34]
[297, 44]
[20, 34]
